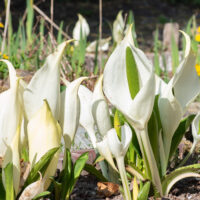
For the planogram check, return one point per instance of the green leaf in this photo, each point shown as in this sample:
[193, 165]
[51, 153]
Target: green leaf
[8, 170]
[154, 136]
[41, 166]
[175, 54]
[43, 194]
[2, 190]
[57, 187]
[178, 135]
[183, 172]
[92, 170]
[132, 73]
[144, 192]
[79, 165]
[99, 158]
[66, 175]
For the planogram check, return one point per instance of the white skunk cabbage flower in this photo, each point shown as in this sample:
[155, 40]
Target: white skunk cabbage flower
[10, 110]
[182, 89]
[133, 96]
[44, 133]
[33, 189]
[118, 28]
[81, 29]
[86, 119]
[104, 150]
[45, 84]
[70, 112]
[12, 155]
[119, 149]
[100, 110]
[102, 46]
[116, 87]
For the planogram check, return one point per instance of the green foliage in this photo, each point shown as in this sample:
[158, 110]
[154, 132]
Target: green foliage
[41, 166]
[132, 73]
[8, 171]
[64, 184]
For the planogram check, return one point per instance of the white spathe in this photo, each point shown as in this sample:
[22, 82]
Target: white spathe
[116, 87]
[45, 84]
[118, 28]
[10, 110]
[44, 133]
[100, 110]
[70, 111]
[81, 29]
[117, 147]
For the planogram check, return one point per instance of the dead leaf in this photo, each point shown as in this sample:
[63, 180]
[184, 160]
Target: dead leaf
[107, 189]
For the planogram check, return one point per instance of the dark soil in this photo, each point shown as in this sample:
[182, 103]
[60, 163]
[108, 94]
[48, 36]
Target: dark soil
[86, 189]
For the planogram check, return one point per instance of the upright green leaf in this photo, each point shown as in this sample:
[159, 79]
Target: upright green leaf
[92, 170]
[41, 166]
[144, 192]
[175, 54]
[66, 175]
[8, 170]
[178, 135]
[132, 73]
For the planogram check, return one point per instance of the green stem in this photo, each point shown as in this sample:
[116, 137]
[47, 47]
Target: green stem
[188, 155]
[151, 160]
[122, 171]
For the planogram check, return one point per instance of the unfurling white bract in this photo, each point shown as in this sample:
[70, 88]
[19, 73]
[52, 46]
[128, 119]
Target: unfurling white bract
[81, 29]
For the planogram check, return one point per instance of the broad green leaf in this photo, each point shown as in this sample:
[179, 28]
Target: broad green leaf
[178, 174]
[144, 192]
[41, 195]
[41, 166]
[132, 73]
[92, 170]
[178, 135]
[78, 167]
[8, 170]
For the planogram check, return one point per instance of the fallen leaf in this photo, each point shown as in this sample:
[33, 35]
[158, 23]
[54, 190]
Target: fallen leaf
[107, 189]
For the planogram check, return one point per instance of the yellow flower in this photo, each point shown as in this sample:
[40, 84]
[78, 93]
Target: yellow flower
[197, 37]
[197, 66]
[71, 49]
[198, 29]
[1, 25]
[5, 57]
